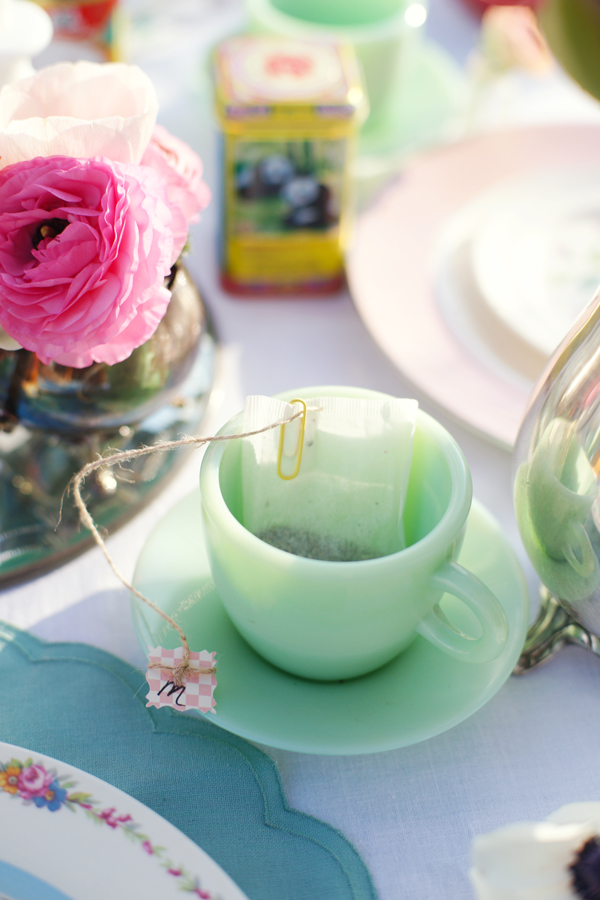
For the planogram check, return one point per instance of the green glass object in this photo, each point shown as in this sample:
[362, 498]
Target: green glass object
[572, 29]
[341, 12]
[420, 693]
[557, 465]
[312, 617]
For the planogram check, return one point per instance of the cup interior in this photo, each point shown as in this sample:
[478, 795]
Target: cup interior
[430, 488]
[438, 495]
[230, 479]
[340, 13]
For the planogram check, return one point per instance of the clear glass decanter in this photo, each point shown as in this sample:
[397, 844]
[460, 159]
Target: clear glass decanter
[557, 467]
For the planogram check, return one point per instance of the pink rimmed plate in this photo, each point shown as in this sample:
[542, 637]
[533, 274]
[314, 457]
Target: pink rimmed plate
[398, 274]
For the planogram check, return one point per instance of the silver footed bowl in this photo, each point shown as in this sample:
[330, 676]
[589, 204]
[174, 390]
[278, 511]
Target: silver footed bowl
[56, 419]
[100, 397]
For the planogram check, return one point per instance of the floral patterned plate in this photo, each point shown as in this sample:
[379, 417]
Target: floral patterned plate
[66, 835]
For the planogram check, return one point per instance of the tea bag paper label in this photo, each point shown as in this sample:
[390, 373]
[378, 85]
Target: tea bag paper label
[197, 690]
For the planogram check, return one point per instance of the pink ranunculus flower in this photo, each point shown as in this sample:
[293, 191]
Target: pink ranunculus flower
[85, 245]
[80, 109]
[181, 169]
[34, 781]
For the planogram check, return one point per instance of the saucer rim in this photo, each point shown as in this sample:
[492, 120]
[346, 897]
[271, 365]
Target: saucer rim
[369, 740]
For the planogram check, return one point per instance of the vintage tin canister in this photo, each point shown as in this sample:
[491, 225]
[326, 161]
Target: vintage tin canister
[289, 113]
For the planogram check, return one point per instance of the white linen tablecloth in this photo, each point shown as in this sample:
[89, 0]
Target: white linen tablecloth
[411, 813]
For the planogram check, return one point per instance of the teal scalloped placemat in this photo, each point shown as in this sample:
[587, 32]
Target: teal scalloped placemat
[87, 708]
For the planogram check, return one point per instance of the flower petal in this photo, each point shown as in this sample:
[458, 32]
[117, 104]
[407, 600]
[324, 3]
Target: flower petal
[81, 109]
[81, 277]
[527, 861]
[582, 813]
[181, 170]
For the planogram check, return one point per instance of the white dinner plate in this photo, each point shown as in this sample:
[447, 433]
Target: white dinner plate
[498, 348]
[536, 252]
[67, 835]
[392, 269]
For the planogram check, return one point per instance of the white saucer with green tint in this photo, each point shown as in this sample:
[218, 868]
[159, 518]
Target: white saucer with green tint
[419, 694]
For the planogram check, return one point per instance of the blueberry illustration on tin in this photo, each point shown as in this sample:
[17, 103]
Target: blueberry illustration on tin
[309, 201]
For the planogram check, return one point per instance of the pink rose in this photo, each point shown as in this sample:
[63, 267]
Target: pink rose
[85, 245]
[181, 170]
[34, 781]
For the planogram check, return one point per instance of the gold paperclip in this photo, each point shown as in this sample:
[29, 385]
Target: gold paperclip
[300, 444]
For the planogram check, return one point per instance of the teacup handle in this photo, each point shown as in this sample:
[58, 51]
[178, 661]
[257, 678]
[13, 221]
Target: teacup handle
[436, 627]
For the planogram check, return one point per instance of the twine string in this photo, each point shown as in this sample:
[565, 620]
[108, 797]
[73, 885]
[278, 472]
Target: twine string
[183, 668]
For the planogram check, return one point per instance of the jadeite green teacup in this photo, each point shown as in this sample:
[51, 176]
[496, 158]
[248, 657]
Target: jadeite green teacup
[336, 620]
[384, 34]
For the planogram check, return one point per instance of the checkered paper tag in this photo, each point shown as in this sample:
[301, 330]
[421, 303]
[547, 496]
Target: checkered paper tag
[197, 691]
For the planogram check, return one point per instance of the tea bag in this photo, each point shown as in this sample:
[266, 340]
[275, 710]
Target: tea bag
[347, 498]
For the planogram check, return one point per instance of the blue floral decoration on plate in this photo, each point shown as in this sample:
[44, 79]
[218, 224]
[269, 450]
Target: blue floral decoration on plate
[87, 708]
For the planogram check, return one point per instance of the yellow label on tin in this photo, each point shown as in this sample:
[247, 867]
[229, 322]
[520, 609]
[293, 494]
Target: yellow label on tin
[284, 259]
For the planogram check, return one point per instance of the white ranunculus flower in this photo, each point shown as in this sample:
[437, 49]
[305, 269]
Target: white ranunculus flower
[536, 860]
[80, 109]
